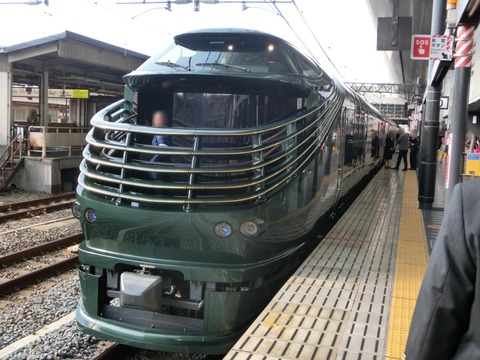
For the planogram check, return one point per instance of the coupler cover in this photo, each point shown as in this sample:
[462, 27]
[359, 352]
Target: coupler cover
[141, 291]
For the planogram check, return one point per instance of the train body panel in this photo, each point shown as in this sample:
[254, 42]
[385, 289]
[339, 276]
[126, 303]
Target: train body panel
[187, 241]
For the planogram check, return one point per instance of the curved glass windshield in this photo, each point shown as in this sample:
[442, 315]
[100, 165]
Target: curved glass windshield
[212, 54]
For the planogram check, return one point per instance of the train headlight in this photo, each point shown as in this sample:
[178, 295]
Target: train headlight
[223, 230]
[77, 210]
[91, 216]
[252, 227]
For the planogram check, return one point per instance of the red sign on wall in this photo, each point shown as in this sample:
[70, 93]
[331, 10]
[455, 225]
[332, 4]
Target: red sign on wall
[421, 47]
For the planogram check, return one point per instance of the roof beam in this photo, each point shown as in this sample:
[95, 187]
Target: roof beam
[81, 52]
[384, 88]
[31, 52]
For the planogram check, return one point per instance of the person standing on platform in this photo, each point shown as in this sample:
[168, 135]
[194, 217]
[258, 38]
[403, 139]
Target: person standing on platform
[442, 152]
[445, 323]
[414, 144]
[389, 150]
[402, 143]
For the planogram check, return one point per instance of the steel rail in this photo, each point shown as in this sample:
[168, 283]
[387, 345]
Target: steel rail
[41, 201]
[112, 352]
[39, 209]
[38, 250]
[37, 275]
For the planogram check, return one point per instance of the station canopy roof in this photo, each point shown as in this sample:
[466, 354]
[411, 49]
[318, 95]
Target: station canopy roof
[72, 61]
[407, 70]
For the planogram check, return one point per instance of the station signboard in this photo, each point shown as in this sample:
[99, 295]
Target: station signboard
[68, 93]
[432, 47]
[53, 93]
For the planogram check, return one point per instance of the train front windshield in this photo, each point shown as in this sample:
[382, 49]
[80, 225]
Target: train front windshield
[224, 55]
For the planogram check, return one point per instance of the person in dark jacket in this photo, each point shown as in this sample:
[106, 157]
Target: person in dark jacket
[389, 150]
[375, 144]
[446, 320]
[414, 144]
[402, 142]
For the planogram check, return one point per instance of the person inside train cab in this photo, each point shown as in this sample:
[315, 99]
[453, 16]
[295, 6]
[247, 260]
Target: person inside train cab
[159, 120]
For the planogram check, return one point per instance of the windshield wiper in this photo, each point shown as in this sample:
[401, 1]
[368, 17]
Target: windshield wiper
[224, 65]
[172, 65]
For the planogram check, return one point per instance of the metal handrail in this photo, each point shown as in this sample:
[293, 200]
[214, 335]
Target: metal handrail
[60, 133]
[187, 169]
[8, 156]
[148, 149]
[257, 182]
[98, 122]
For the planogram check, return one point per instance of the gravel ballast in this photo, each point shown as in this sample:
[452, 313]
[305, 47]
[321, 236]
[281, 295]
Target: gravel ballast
[20, 195]
[37, 306]
[66, 342]
[29, 237]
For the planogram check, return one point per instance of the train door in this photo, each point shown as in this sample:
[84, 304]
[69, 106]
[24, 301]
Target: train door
[340, 138]
[340, 133]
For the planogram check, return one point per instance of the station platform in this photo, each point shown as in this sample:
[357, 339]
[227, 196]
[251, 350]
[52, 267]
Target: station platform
[354, 296]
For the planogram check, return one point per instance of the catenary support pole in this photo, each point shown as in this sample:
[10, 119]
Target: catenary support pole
[459, 114]
[43, 99]
[427, 169]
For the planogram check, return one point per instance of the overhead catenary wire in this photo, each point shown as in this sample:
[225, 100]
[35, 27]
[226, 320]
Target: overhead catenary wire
[271, 4]
[317, 41]
[129, 17]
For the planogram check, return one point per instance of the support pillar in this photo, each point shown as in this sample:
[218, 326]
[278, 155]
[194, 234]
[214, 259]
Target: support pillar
[428, 149]
[427, 170]
[43, 99]
[459, 113]
[5, 100]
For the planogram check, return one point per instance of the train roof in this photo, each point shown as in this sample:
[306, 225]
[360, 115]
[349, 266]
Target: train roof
[239, 31]
[197, 39]
[234, 53]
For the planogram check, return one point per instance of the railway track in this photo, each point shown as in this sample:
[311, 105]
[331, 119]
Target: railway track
[116, 351]
[44, 272]
[26, 208]
[112, 352]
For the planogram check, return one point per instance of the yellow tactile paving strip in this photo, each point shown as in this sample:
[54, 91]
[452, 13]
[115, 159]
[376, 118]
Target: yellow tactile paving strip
[411, 261]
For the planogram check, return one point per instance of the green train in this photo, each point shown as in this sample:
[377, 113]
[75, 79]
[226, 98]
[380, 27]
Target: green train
[193, 222]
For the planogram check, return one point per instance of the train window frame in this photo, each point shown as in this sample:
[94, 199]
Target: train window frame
[276, 60]
[304, 64]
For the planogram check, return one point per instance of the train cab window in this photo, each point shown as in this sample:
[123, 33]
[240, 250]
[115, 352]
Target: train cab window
[306, 66]
[232, 111]
[224, 54]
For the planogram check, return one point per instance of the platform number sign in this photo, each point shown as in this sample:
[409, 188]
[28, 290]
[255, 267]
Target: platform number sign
[432, 47]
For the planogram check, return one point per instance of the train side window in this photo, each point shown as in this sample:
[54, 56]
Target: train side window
[305, 66]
